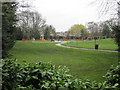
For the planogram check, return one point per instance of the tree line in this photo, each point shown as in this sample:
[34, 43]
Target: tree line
[100, 30]
[32, 25]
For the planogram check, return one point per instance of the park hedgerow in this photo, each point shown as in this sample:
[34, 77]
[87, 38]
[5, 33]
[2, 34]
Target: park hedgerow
[47, 76]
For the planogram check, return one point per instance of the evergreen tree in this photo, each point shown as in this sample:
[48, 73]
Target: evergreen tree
[116, 29]
[106, 31]
[47, 33]
[19, 34]
[8, 27]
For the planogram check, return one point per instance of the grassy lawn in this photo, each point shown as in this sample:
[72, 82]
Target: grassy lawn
[84, 64]
[106, 44]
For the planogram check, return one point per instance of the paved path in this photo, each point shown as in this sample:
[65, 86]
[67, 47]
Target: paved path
[59, 44]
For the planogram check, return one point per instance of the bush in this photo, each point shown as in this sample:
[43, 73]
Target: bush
[10, 72]
[37, 76]
[46, 76]
[113, 77]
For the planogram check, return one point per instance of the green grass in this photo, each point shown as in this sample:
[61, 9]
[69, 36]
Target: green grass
[84, 64]
[106, 44]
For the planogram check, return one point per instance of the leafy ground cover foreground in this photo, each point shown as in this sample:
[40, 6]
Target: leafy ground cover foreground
[84, 64]
[106, 44]
[46, 76]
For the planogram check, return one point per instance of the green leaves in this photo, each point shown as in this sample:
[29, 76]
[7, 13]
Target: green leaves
[78, 30]
[39, 75]
[106, 31]
[112, 77]
[9, 20]
[116, 30]
[47, 76]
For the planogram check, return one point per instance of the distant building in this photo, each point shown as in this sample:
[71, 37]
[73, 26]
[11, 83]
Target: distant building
[51, 34]
[60, 33]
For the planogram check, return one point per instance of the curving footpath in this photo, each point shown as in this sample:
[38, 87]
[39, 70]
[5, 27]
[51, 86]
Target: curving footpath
[59, 44]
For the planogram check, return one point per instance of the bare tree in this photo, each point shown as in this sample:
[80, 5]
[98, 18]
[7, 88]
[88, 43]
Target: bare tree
[93, 29]
[108, 5]
[30, 22]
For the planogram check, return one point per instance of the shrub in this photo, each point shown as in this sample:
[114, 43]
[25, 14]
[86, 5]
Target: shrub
[113, 77]
[10, 74]
[47, 76]
[38, 76]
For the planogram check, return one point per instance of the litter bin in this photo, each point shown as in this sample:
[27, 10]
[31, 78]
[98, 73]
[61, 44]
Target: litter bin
[96, 46]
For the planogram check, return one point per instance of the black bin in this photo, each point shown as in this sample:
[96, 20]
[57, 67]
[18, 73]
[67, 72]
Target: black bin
[96, 46]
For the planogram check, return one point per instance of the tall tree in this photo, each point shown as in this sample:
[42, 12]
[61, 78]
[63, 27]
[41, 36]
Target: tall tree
[52, 31]
[8, 27]
[106, 31]
[19, 34]
[116, 29]
[78, 30]
[31, 23]
[47, 33]
[93, 29]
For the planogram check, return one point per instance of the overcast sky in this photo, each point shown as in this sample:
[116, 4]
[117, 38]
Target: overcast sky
[63, 14]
